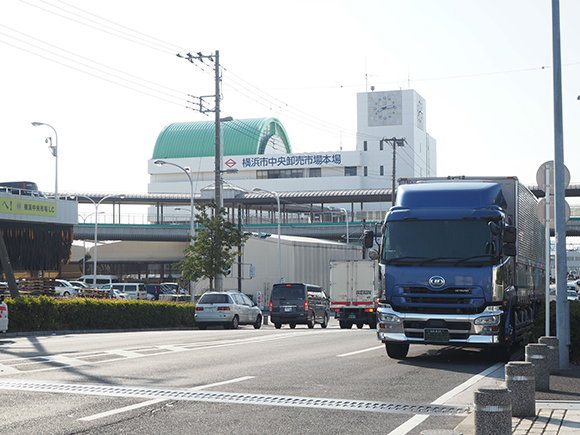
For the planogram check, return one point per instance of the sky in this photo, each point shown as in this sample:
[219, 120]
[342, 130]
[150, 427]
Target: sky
[105, 75]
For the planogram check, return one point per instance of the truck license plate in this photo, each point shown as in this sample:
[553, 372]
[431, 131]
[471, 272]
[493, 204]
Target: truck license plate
[287, 309]
[437, 335]
[352, 316]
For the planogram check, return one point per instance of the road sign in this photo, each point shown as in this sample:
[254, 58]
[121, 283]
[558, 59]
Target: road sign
[541, 212]
[541, 175]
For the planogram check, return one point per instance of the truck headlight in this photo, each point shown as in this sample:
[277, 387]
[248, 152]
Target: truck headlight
[487, 320]
[389, 318]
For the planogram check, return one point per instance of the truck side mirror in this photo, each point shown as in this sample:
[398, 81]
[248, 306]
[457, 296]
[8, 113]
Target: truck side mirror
[369, 239]
[509, 249]
[510, 234]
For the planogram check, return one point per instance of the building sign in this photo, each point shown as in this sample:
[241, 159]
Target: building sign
[27, 207]
[291, 160]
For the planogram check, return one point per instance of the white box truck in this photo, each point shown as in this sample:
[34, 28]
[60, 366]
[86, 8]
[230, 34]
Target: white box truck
[354, 287]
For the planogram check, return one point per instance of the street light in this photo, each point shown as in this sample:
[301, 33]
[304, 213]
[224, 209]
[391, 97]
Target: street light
[187, 171]
[257, 189]
[84, 249]
[346, 220]
[96, 204]
[54, 150]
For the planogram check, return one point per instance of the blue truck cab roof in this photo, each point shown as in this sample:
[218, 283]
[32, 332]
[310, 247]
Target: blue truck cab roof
[448, 199]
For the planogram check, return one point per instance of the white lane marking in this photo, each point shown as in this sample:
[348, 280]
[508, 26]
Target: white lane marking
[141, 352]
[360, 351]
[7, 370]
[155, 401]
[415, 421]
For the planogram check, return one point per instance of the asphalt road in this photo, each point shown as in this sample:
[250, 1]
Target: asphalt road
[288, 381]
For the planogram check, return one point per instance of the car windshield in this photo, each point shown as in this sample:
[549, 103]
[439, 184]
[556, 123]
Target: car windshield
[214, 299]
[464, 243]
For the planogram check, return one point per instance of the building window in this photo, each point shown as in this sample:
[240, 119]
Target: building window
[382, 170]
[365, 145]
[381, 144]
[350, 171]
[280, 173]
[315, 172]
[366, 171]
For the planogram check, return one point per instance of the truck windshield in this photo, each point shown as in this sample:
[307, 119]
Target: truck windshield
[461, 243]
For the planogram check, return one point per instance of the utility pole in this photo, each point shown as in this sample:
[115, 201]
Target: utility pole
[394, 142]
[218, 186]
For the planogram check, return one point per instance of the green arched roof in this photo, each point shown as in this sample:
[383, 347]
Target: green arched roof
[197, 139]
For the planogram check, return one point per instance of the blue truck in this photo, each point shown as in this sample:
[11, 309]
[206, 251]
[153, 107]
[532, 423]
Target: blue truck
[462, 262]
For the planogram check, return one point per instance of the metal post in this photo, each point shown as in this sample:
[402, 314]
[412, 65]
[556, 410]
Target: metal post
[346, 219]
[548, 182]
[560, 197]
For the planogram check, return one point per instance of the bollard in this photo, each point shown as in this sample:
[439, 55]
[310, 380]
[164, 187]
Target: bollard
[537, 354]
[520, 379]
[553, 354]
[493, 411]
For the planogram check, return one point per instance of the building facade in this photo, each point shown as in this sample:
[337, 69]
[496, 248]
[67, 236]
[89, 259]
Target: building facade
[391, 134]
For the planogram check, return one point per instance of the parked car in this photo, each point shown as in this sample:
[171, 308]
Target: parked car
[100, 280]
[572, 295]
[116, 294]
[79, 284]
[154, 290]
[175, 287]
[64, 288]
[135, 290]
[228, 309]
[299, 303]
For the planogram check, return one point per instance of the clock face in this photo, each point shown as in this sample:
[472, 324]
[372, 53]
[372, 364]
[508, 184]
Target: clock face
[421, 114]
[385, 108]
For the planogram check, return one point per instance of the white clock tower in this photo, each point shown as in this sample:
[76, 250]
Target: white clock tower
[400, 115]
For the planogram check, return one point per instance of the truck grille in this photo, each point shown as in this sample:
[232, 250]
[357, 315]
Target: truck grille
[449, 300]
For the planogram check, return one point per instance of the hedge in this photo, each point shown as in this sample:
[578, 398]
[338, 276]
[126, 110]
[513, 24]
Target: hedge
[539, 328]
[49, 314]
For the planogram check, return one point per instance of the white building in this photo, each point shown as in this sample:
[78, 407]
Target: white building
[260, 150]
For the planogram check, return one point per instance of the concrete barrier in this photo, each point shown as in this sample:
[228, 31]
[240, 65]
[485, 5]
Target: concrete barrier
[537, 354]
[493, 411]
[553, 354]
[520, 379]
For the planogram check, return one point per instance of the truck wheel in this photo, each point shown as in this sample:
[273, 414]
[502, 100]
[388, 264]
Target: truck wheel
[292, 325]
[397, 350]
[360, 325]
[345, 325]
[373, 325]
[277, 325]
[324, 323]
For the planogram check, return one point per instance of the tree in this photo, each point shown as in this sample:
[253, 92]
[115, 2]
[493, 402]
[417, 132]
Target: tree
[214, 246]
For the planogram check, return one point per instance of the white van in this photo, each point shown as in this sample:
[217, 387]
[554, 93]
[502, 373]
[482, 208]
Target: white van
[134, 290]
[100, 280]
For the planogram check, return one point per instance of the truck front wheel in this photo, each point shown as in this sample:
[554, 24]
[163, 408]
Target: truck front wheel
[397, 350]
